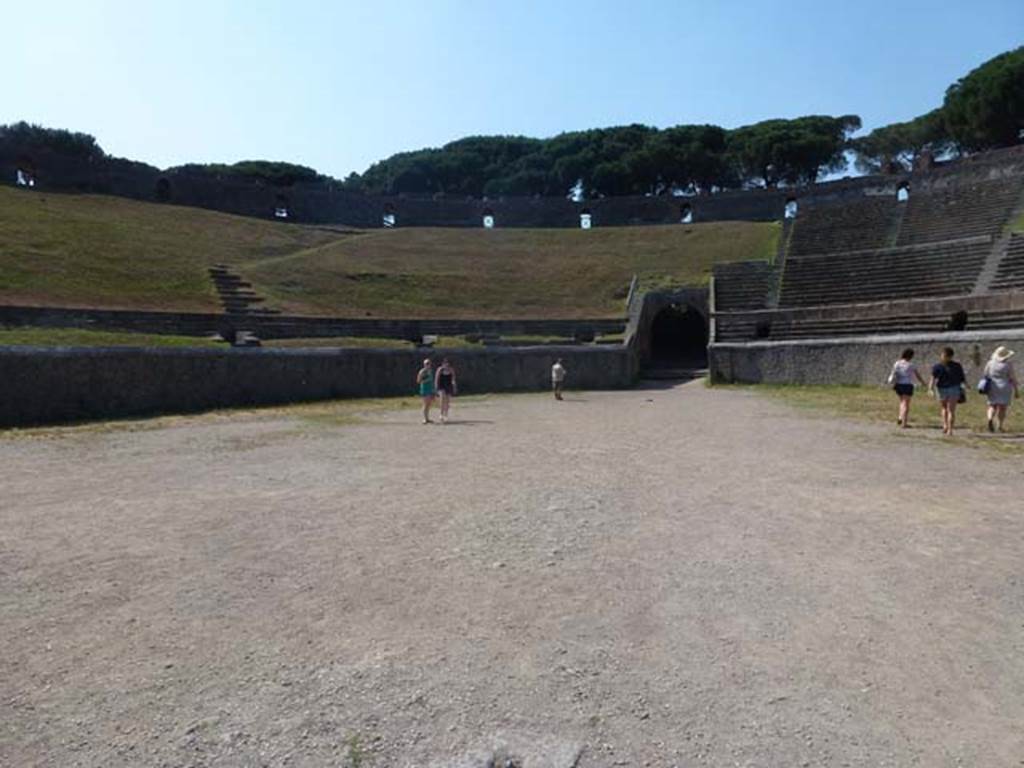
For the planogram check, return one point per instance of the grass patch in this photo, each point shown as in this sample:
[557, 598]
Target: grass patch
[567, 273]
[343, 413]
[323, 413]
[526, 340]
[79, 337]
[878, 405]
[1017, 225]
[371, 342]
[342, 342]
[456, 342]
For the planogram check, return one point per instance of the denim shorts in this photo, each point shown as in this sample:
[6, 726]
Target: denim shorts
[949, 393]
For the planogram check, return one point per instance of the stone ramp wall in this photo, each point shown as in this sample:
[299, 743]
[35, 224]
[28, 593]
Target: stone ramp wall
[54, 385]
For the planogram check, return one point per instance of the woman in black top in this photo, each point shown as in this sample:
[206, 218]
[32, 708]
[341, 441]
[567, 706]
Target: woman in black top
[446, 387]
[948, 385]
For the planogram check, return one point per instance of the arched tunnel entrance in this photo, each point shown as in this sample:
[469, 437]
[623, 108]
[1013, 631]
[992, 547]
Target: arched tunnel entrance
[679, 338]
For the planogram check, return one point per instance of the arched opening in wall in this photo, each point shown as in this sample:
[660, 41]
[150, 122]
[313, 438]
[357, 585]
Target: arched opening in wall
[903, 192]
[686, 214]
[388, 219]
[958, 320]
[25, 173]
[791, 208]
[586, 219]
[281, 210]
[488, 218]
[679, 338]
[163, 190]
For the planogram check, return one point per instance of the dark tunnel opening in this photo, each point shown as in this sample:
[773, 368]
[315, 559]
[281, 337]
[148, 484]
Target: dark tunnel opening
[679, 337]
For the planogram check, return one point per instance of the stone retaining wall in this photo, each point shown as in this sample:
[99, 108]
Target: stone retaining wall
[52, 385]
[862, 360]
[294, 326]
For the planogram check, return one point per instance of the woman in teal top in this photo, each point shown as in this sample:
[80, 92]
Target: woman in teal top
[425, 381]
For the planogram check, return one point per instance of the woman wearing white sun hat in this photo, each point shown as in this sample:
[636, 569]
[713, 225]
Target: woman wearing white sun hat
[1002, 387]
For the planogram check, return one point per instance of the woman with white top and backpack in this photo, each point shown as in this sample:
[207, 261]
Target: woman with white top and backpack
[999, 385]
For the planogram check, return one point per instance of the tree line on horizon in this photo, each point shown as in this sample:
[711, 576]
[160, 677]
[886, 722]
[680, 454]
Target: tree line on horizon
[981, 111]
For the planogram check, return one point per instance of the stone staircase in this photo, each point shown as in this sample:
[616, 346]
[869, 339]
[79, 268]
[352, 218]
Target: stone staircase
[1009, 274]
[674, 372]
[1004, 269]
[236, 295]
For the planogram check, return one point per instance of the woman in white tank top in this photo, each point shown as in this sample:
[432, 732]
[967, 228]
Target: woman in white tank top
[902, 379]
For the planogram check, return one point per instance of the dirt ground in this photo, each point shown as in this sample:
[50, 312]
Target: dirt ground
[667, 577]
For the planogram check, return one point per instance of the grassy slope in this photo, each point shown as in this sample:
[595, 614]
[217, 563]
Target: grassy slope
[501, 273]
[369, 342]
[77, 337]
[96, 251]
[88, 250]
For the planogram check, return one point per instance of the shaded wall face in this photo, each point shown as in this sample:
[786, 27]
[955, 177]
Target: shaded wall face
[39, 386]
[327, 202]
[58, 172]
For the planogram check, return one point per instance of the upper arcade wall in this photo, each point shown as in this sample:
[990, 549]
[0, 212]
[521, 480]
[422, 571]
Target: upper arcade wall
[325, 202]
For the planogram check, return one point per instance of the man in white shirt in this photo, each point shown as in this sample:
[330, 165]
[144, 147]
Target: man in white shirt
[557, 378]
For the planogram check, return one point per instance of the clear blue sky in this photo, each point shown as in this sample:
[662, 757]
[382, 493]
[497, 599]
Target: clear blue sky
[338, 85]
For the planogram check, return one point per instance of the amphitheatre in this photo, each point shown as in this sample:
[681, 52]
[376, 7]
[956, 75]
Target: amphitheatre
[227, 539]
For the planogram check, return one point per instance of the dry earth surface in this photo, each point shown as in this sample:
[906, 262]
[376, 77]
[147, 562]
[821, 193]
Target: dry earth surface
[666, 577]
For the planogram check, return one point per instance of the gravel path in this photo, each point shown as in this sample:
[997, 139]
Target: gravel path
[678, 576]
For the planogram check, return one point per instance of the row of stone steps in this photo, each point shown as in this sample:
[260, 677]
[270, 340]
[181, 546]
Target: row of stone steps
[963, 210]
[743, 285]
[236, 295]
[942, 269]
[778, 329]
[856, 224]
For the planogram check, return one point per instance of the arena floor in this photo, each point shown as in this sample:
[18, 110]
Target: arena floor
[676, 576]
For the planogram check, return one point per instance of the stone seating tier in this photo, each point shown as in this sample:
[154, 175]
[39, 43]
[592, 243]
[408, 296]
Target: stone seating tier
[743, 285]
[772, 327]
[853, 225]
[943, 269]
[959, 211]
